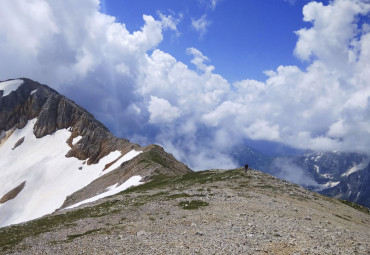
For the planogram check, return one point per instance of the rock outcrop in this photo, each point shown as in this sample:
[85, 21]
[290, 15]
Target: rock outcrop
[12, 193]
[54, 112]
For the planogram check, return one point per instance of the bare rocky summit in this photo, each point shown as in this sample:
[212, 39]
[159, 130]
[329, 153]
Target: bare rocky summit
[209, 212]
[53, 112]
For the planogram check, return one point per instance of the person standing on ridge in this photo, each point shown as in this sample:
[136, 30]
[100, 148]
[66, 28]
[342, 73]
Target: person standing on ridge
[246, 168]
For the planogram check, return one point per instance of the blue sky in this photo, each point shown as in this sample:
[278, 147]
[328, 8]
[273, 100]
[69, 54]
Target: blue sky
[200, 77]
[243, 38]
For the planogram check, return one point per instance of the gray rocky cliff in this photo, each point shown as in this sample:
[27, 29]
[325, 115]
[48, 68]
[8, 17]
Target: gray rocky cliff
[355, 187]
[54, 112]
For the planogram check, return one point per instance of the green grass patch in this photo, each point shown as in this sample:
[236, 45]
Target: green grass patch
[71, 237]
[174, 196]
[199, 195]
[153, 155]
[192, 205]
[158, 181]
[13, 235]
[189, 179]
[162, 193]
[356, 206]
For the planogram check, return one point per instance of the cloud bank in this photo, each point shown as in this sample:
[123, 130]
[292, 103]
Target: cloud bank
[286, 169]
[146, 95]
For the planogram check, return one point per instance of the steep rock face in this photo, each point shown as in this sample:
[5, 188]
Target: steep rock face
[53, 112]
[330, 166]
[355, 188]
[19, 106]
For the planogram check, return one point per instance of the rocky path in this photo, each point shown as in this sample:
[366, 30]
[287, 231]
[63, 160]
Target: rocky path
[213, 212]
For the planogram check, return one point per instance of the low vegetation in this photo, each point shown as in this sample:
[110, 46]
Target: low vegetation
[356, 206]
[193, 178]
[154, 156]
[71, 237]
[12, 235]
[192, 205]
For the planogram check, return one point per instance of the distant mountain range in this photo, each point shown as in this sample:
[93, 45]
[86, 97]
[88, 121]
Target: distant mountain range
[355, 187]
[337, 174]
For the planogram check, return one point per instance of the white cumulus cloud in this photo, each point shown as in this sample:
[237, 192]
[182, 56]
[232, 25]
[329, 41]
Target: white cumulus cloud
[161, 111]
[147, 95]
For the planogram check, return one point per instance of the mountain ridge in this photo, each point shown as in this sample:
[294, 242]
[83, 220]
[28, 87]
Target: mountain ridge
[56, 147]
[207, 212]
[54, 112]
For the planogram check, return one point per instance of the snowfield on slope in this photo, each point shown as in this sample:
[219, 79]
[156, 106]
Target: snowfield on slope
[50, 176]
[112, 190]
[9, 86]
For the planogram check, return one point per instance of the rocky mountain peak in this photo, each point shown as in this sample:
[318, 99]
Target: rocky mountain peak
[54, 112]
[55, 154]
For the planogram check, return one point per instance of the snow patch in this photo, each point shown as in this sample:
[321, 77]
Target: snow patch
[318, 156]
[358, 194]
[317, 168]
[330, 185]
[76, 140]
[328, 176]
[33, 92]
[112, 190]
[128, 156]
[51, 176]
[9, 86]
[355, 167]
